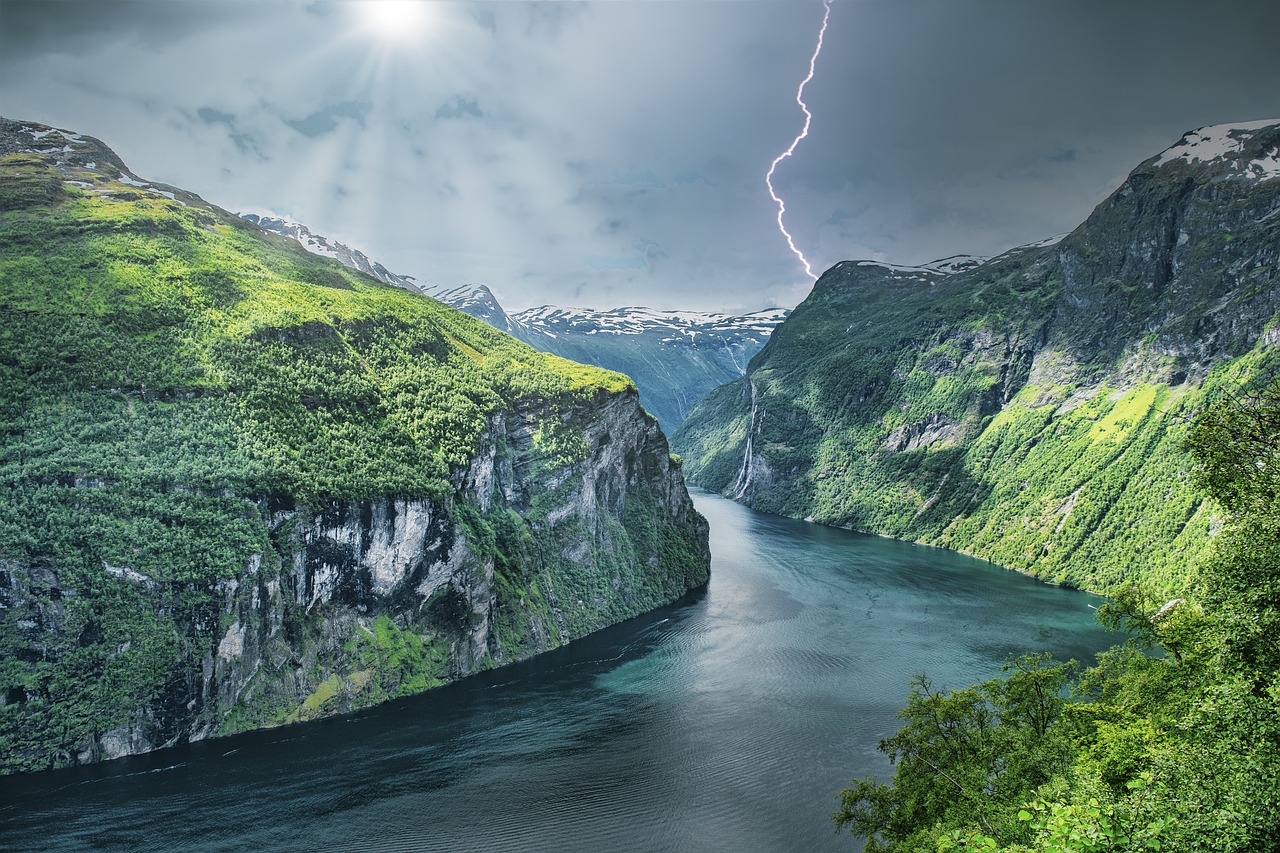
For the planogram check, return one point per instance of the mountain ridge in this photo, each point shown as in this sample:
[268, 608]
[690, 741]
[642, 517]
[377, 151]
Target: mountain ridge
[1030, 409]
[674, 356]
[243, 486]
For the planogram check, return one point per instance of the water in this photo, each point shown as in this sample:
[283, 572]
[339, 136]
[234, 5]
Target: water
[726, 722]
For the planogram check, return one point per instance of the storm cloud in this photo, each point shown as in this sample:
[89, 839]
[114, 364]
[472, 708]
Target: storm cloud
[613, 154]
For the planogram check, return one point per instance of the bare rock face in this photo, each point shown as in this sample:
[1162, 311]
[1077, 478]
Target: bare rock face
[360, 602]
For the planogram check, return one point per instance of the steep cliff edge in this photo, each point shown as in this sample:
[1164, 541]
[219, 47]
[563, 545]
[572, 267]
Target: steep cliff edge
[242, 486]
[1029, 409]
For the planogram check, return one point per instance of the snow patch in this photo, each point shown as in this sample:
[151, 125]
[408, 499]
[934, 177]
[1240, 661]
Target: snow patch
[921, 272]
[1265, 168]
[1215, 142]
[635, 320]
[127, 573]
[1047, 241]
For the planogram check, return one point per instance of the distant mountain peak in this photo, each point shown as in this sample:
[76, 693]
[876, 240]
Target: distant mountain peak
[922, 272]
[474, 299]
[956, 263]
[1250, 150]
[478, 301]
[674, 356]
[64, 147]
[638, 320]
[318, 244]
[84, 162]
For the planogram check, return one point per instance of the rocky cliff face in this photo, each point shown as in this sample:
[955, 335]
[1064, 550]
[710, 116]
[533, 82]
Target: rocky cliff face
[242, 486]
[358, 602]
[1030, 408]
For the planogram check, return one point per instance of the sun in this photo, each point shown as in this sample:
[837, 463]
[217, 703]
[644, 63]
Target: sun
[394, 20]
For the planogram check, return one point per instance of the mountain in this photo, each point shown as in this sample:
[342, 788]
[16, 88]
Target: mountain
[242, 485]
[318, 244]
[478, 301]
[674, 357]
[1029, 409]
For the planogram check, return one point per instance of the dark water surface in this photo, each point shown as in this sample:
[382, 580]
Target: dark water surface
[727, 722]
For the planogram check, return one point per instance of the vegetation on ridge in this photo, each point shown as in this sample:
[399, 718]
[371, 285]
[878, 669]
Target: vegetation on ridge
[1030, 410]
[1178, 750]
[178, 393]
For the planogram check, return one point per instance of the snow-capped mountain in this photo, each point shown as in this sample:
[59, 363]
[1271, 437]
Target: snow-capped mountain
[674, 356]
[671, 325]
[323, 246]
[1247, 149]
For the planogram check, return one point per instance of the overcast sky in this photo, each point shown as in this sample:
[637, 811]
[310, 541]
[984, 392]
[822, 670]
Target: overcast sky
[613, 153]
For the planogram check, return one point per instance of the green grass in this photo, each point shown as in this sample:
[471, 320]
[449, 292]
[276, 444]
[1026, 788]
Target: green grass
[168, 373]
[1028, 411]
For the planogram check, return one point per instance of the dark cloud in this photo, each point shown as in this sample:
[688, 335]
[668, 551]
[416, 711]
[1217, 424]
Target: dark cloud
[460, 107]
[33, 27]
[208, 115]
[614, 153]
[326, 120]
[243, 141]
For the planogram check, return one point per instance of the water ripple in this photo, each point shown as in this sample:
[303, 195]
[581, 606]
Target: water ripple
[726, 723]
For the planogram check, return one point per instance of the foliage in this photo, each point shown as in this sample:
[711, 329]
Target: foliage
[170, 376]
[1031, 410]
[1172, 751]
[969, 757]
[1237, 441]
[921, 421]
[671, 375]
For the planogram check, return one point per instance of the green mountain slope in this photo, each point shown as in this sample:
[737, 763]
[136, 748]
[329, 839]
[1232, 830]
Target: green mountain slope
[674, 357]
[241, 485]
[1030, 410]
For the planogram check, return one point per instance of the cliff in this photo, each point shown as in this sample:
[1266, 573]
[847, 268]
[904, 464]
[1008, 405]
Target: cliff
[243, 486]
[1030, 409]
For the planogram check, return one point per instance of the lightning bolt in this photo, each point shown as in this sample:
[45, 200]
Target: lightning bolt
[808, 116]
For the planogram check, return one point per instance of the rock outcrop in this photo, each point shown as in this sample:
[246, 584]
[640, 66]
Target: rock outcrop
[1030, 408]
[242, 486]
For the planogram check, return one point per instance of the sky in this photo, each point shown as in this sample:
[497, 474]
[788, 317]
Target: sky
[605, 154]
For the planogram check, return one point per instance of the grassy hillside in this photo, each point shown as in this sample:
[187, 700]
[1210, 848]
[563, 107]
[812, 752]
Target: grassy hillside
[174, 385]
[147, 342]
[671, 375]
[1032, 410]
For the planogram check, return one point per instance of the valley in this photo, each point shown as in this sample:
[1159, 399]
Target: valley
[674, 357]
[251, 479]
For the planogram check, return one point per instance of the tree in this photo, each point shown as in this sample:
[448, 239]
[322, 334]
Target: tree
[1237, 445]
[968, 758]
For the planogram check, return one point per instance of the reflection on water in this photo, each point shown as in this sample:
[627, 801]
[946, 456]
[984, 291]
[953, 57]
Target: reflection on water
[726, 722]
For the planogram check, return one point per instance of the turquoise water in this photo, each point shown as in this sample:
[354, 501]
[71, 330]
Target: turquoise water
[725, 722]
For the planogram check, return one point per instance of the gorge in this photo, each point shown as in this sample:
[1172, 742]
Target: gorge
[724, 722]
[244, 487]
